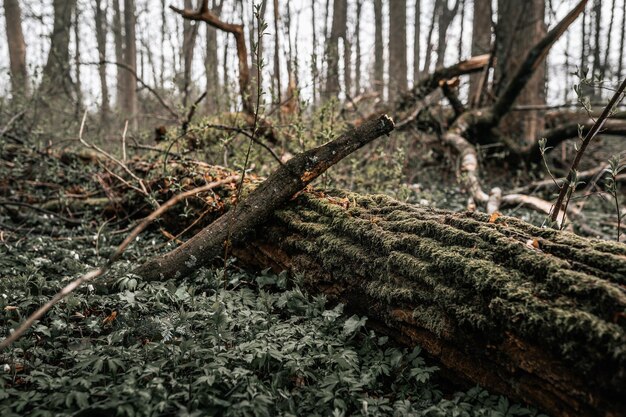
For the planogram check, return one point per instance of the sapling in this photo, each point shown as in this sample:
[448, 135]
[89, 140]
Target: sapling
[611, 186]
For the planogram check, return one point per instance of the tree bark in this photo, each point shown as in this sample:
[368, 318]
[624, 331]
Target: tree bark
[533, 313]
[520, 26]
[276, 79]
[397, 49]
[357, 42]
[445, 18]
[129, 99]
[78, 84]
[620, 62]
[101, 35]
[213, 101]
[57, 81]
[429, 38]
[337, 31]
[379, 59]
[481, 42]
[257, 55]
[190, 32]
[118, 37]
[417, 47]
[17, 48]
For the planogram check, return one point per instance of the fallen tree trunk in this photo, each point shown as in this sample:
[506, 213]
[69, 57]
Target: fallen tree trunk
[536, 314]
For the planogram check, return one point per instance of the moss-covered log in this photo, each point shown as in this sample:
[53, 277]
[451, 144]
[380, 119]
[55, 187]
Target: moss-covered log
[533, 313]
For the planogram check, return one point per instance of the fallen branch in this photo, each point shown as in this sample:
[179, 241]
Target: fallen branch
[238, 223]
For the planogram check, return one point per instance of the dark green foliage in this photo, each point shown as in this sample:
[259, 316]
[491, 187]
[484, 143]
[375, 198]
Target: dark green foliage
[254, 345]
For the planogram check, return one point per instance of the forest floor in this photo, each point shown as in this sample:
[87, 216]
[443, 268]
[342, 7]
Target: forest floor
[223, 341]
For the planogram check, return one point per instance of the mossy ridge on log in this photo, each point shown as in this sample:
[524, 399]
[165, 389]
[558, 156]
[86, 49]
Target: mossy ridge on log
[476, 286]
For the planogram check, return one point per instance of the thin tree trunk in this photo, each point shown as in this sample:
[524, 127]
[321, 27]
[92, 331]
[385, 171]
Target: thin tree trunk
[446, 16]
[101, 35]
[429, 38]
[397, 50]
[118, 36]
[338, 31]
[461, 32]
[130, 59]
[277, 50]
[620, 64]
[357, 41]
[584, 61]
[481, 42]
[17, 48]
[213, 101]
[417, 47]
[597, 61]
[163, 32]
[605, 62]
[256, 56]
[379, 58]
[78, 83]
[314, 69]
[190, 32]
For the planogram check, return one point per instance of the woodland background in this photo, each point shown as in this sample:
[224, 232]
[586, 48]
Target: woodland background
[325, 207]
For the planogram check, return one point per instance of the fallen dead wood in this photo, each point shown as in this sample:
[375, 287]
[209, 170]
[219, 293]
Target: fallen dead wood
[282, 185]
[536, 314]
[472, 127]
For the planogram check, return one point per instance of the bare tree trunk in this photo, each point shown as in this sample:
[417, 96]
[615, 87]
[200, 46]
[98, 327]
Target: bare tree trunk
[417, 50]
[78, 88]
[584, 61]
[481, 41]
[256, 56]
[347, 65]
[357, 41]
[190, 32]
[163, 32]
[118, 36]
[397, 49]
[277, 51]
[607, 49]
[101, 35]
[379, 58]
[446, 16]
[213, 101]
[17, 48]
[314, 70]
[520, 26]
[338, 31]
[461, 32]
[57, 80]
[597, 62]
[620, 64]
[429, 38]
[130, 59]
